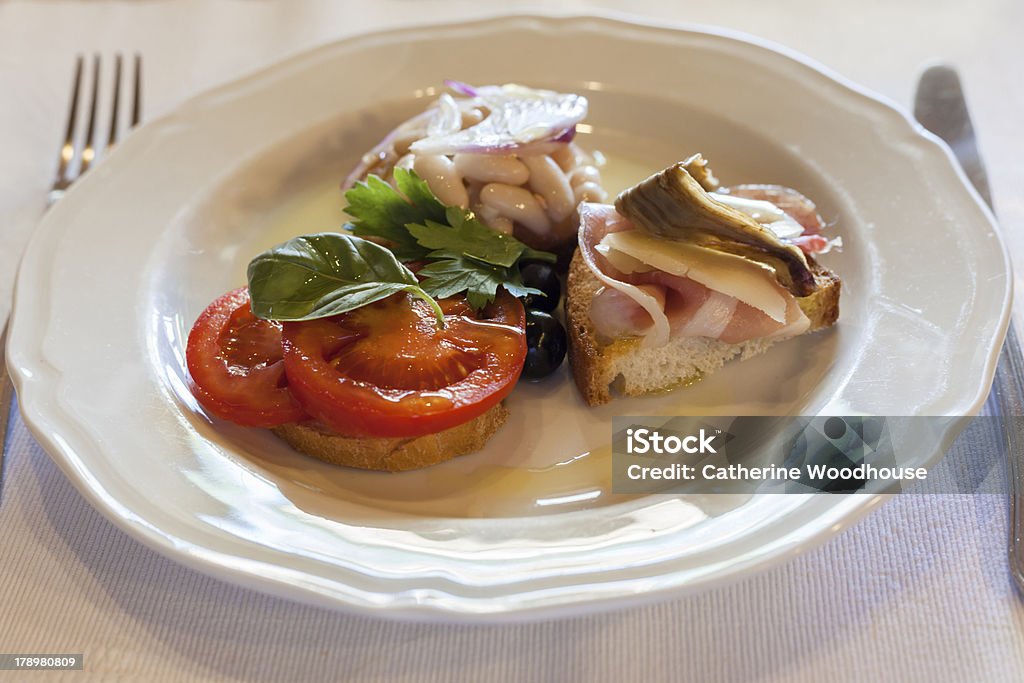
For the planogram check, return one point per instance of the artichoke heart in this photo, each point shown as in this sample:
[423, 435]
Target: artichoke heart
[675, 204]
[697, 167]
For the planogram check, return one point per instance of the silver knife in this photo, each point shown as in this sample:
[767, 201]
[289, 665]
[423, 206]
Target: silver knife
[6, 394]
[940, 107]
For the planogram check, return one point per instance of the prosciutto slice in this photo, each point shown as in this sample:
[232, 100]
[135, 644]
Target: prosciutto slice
[639, 300]
[798, 207]
[596, 221]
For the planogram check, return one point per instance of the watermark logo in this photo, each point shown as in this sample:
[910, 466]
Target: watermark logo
[758, 454]
[641, 441]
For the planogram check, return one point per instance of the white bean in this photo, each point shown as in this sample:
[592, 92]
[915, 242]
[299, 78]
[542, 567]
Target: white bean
[547, 180]
[443, 178]
[486, 213]
[493, 219]
[589, 192]
[492, 168]
[565, 157]
[502, 224]
[585, 174]
[473, 188]
[517, 204]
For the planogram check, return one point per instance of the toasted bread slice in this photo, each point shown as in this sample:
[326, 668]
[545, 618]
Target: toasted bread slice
[633, 370]
[394, 454]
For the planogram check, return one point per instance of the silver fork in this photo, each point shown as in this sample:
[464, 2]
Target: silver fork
[65, 166]
[73, 161]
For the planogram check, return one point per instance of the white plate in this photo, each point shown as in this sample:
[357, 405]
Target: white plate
[120, 268]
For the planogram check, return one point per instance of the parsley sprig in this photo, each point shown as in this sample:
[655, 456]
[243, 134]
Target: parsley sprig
[463, 254]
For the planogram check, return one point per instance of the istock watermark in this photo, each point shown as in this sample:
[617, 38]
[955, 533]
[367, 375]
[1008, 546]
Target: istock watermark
[641, 441]
[820, 454]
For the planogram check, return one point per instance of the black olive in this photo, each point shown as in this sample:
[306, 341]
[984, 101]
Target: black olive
[545, 344]
[542, 276]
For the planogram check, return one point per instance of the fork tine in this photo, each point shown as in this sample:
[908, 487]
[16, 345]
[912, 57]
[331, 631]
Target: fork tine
[67, 151]
[116, 106]
[137, 97]
[89, 151]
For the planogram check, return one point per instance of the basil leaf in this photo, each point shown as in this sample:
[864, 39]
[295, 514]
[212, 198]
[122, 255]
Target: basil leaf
[315, 276]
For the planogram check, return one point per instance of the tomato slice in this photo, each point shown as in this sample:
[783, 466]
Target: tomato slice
[236, 364]
[387, 370]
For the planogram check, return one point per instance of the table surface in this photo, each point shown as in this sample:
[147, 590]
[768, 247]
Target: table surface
[916, 591]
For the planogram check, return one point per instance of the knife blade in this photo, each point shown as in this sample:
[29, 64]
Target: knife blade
[940, 106]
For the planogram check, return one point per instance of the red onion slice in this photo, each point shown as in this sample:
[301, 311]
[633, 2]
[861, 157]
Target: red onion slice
[566, 136]
[461, 88]
[447, 119]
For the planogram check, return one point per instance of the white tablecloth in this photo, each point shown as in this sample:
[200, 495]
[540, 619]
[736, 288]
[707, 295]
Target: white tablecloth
[917, 591]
